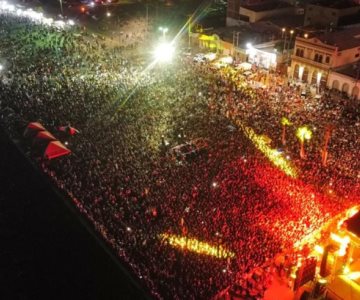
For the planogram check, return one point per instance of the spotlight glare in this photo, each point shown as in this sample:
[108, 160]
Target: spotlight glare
[164, 52]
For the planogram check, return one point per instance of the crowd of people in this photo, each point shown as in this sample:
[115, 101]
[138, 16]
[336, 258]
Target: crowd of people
[120, 174]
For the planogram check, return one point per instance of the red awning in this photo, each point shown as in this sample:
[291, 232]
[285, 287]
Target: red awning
[55, 149]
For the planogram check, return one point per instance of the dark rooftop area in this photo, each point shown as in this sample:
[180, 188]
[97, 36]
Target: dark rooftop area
[267, 6]
[256, 33]
[349, 19]
[338, 4]
[343, 39]
[287, 21]
[351, 70]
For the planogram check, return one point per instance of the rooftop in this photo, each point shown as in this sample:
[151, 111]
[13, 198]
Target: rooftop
[337, 4]
[267, 6]
[343, 39]
[255, 33]
[287, 21]
[349, 19]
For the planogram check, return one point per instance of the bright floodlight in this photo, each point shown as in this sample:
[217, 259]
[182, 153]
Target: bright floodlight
[1, 67]
[164, 52]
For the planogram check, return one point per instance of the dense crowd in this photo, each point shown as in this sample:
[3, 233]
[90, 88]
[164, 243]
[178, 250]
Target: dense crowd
[120, 173]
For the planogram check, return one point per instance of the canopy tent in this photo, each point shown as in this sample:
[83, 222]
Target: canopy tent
[353, 224]
[55, 149]
[69, 130]
[43, 137]
[32, 129]
[244, 66]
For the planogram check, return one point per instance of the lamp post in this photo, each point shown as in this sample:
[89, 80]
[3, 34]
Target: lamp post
[290, 39]
[284, 35]
[189, 31]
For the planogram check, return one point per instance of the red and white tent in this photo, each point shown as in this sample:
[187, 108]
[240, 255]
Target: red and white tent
[69, 130]
[55, 149]
[44, 136]
[32, 129]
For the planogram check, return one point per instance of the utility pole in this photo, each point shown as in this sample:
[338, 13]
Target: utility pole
[189, 32]
[61, 7]
[147, 16]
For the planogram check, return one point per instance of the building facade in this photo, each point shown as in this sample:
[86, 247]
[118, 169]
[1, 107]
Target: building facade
[254, 10]
[314, 58]
[328, 15]
[346, 80]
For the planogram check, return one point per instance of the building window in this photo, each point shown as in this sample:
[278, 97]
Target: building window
[299, 52]
[357, 55]
[318, 58]
[327, 59]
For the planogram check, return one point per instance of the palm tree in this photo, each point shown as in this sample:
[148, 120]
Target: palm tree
[303, 133]
[284, 122]
[324, 151]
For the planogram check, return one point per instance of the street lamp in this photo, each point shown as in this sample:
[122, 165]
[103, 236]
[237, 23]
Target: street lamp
[108, 14]
[1, 67]
[164, 30]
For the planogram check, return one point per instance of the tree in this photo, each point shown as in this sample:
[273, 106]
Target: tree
[303, 133]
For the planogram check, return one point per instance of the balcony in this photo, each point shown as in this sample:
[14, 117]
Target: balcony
[308, 61]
